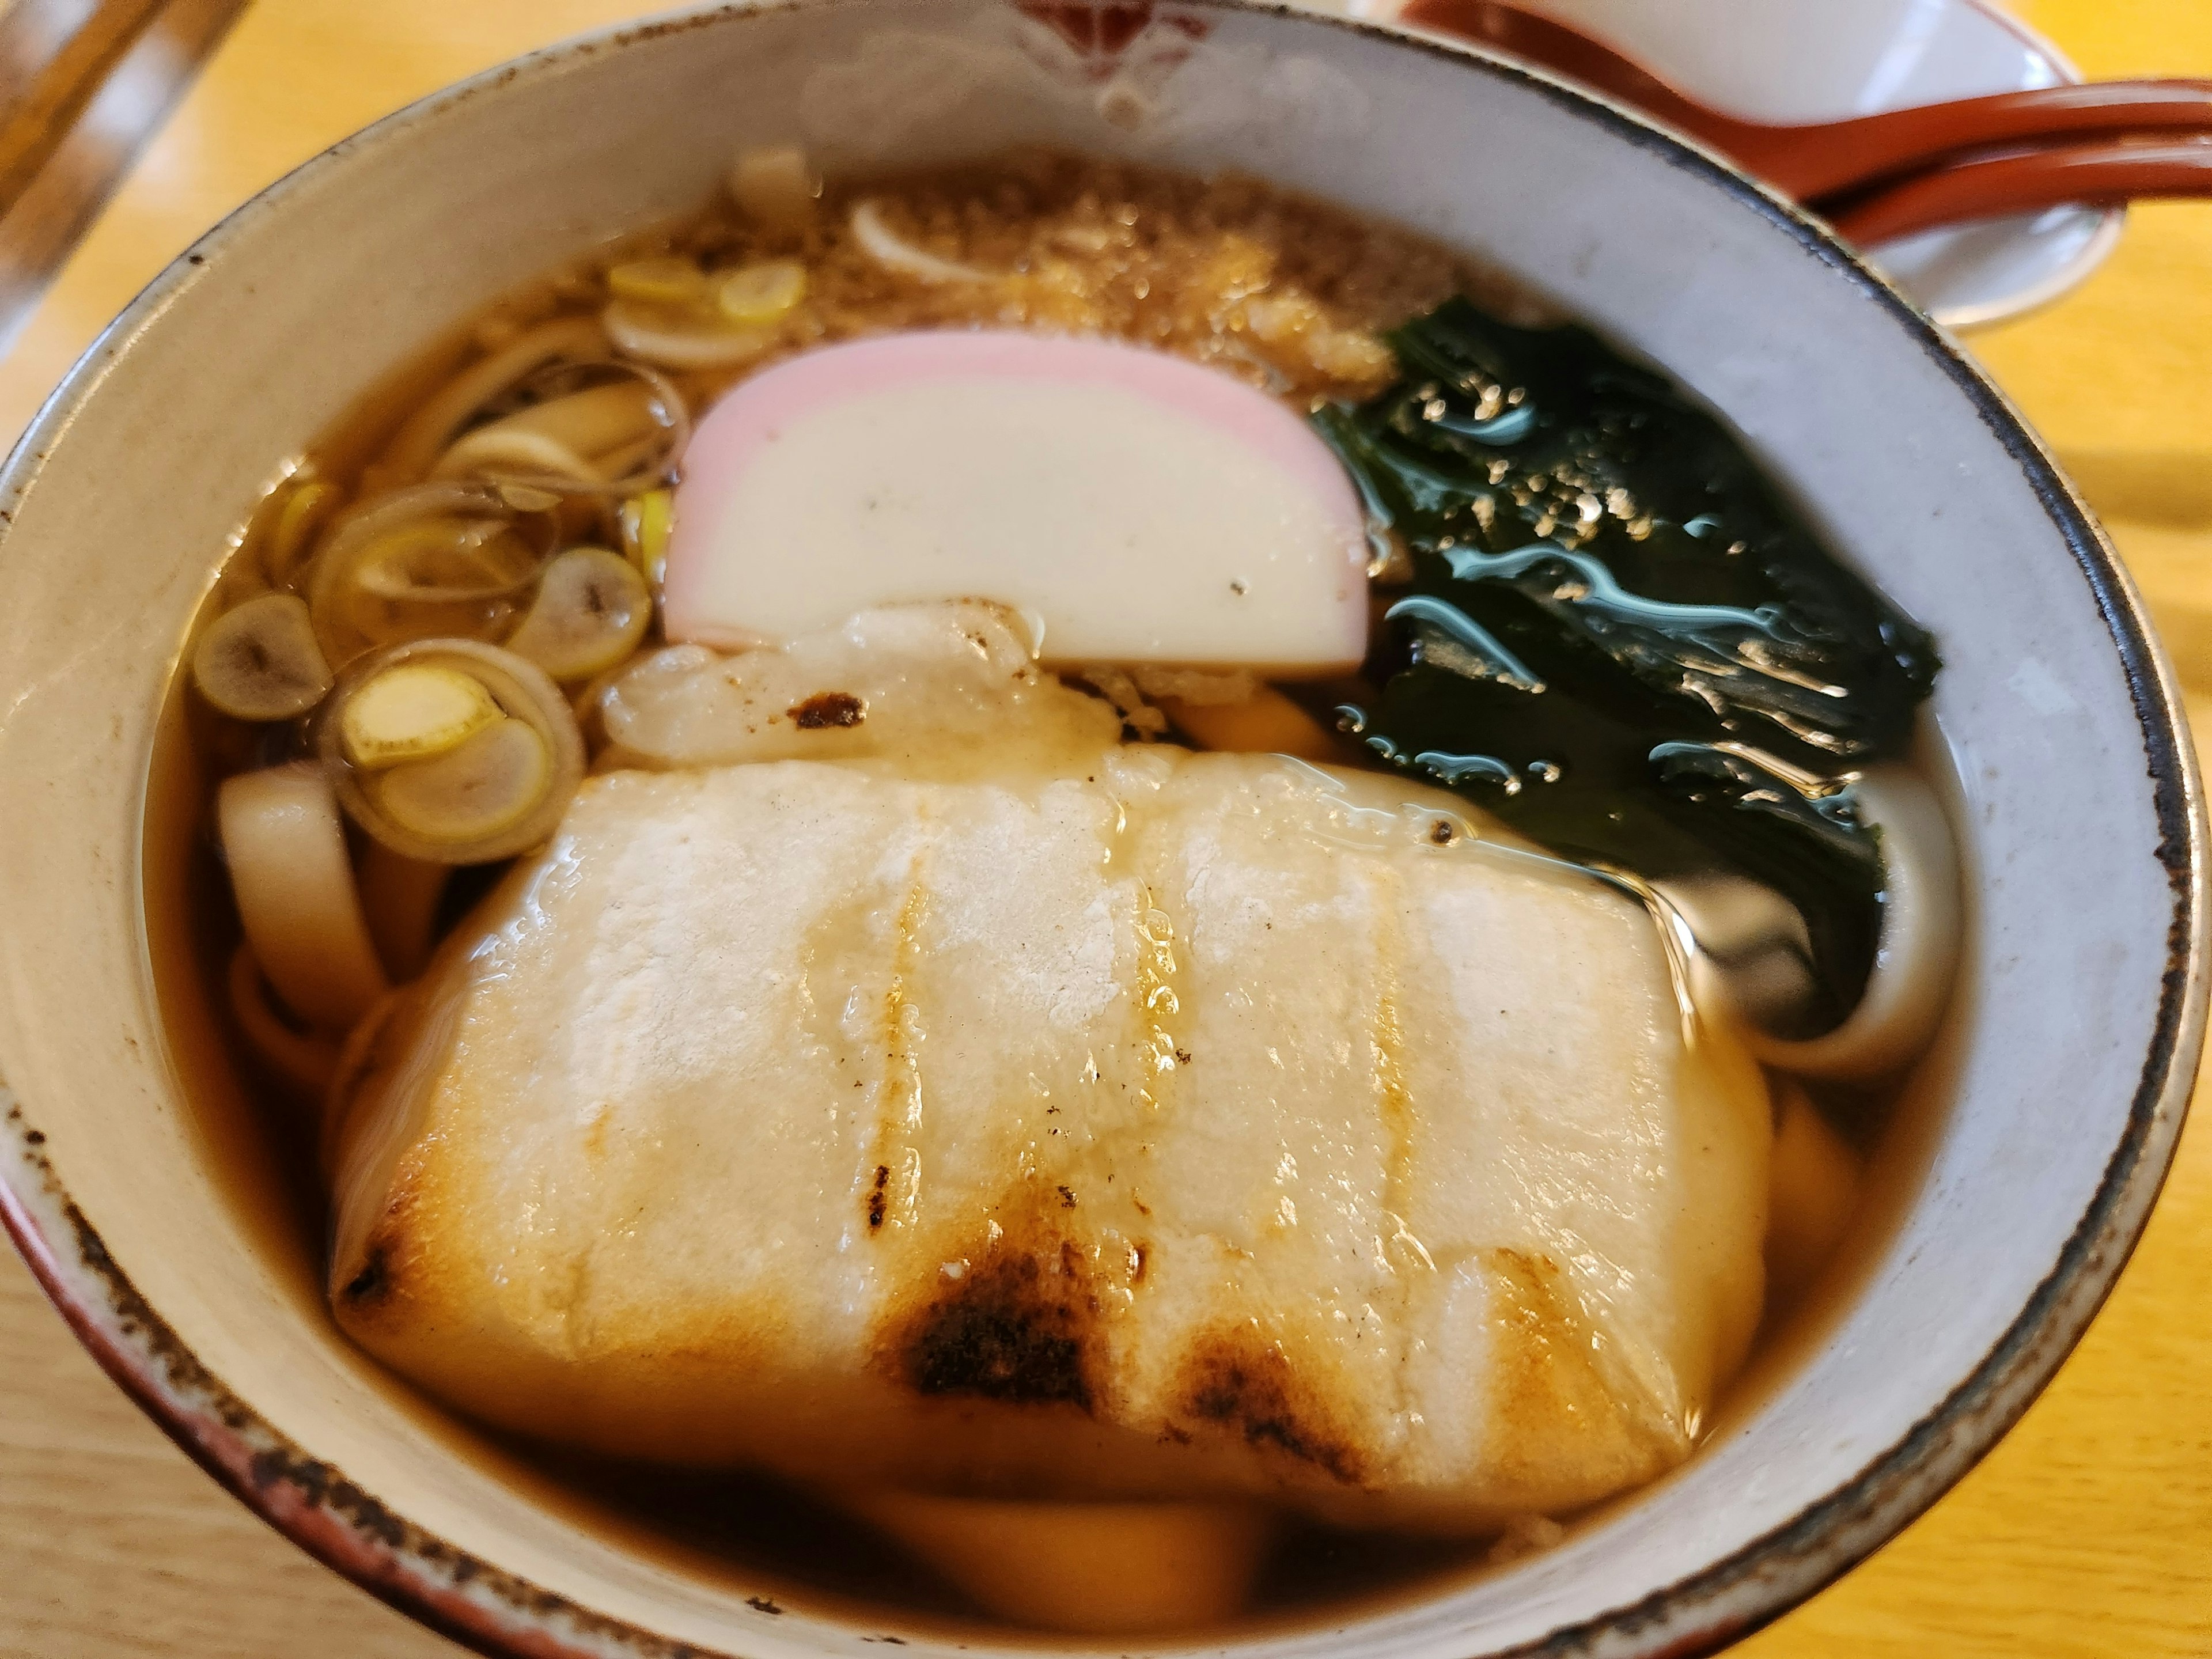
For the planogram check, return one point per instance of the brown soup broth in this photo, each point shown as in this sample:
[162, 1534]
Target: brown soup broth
[1102, 249]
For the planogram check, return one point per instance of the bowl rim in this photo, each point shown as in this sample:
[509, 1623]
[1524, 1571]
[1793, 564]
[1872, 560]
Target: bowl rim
[497, 1612]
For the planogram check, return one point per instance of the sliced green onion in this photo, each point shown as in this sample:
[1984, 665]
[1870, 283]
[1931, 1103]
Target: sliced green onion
[307, 506]
[757, 296]
[472, 793]
[489, 797]
[593, 608]
[647, 521]
[414, 711]
[433, 560]
[670, 339]
[260, 661]
[668, 280]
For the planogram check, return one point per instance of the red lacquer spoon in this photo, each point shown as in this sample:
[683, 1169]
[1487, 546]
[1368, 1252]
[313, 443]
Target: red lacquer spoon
[1822, 161]
[2100, 175]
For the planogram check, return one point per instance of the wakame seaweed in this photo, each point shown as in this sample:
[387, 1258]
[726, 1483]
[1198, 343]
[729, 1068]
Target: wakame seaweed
[1608, 629]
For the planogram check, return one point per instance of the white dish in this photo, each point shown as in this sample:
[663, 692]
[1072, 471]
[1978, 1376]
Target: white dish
[1821, 60]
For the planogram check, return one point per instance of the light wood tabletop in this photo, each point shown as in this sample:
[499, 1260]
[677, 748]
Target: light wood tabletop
[2088, 1532]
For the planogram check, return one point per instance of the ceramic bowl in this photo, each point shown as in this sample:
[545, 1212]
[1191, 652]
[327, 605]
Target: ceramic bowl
[1824, 60]
[2072, 1043]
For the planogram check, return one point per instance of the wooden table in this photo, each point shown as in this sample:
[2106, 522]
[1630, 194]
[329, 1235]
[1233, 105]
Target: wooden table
[2088, 1532]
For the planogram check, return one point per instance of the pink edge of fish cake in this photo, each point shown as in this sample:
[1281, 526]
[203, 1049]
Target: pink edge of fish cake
[741, 431]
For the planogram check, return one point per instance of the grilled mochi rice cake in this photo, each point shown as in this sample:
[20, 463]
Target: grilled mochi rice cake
[937, 1093]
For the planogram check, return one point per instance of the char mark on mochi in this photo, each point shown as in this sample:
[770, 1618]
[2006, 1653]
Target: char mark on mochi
[373, 1286]
[878, 1200]
[1021, 1325]
[382, 1281]
[1236, 1382]
[373, 1283]
[828, 710]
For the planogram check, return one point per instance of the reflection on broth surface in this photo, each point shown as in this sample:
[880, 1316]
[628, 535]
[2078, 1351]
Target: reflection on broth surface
[1031, 1089]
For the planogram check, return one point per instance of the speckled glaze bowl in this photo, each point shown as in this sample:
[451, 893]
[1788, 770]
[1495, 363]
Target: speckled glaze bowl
[2071, 1048]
